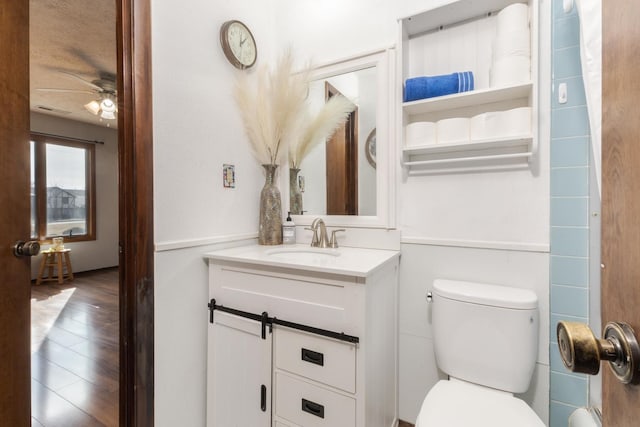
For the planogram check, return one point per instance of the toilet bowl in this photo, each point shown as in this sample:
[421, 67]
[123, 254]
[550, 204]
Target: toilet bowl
[485, 339]
[455, 403]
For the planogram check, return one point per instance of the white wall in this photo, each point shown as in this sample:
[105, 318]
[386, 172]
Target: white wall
[102, 252]
[502, 217]
[196, 130]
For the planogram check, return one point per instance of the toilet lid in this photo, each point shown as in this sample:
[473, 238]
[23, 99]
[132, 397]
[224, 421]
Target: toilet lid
[459, 404]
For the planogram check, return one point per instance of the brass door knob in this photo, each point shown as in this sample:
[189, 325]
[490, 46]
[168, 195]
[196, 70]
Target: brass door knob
[582, 352]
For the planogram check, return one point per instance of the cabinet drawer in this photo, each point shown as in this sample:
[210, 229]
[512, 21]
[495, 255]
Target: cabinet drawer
[309, 405]
[321, 359]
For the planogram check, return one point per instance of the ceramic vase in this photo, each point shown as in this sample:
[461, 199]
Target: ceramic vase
[270, 228]
[295, 195]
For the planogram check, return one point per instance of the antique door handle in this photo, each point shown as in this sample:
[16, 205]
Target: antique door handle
[30, 248]
[582, 352]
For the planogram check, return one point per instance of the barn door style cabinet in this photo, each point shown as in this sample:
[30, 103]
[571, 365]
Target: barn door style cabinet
[295, 344]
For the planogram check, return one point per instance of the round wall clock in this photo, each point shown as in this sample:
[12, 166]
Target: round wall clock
[238, 44]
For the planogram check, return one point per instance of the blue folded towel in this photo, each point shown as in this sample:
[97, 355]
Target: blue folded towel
[431, 86]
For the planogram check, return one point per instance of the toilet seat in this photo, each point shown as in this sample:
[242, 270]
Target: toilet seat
[455, 403]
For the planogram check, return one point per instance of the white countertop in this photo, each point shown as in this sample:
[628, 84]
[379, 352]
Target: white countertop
[357, 262]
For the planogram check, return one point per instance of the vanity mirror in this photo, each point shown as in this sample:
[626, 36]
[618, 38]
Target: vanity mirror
[348, 178]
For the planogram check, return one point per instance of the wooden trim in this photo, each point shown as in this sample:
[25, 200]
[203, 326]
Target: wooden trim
[41, 183]
[135, 157]
[15, 320]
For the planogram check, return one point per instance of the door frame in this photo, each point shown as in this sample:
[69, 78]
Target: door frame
[136, 239]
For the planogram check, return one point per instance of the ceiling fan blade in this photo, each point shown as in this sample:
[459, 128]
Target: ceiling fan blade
[47, 89]
[87, 82]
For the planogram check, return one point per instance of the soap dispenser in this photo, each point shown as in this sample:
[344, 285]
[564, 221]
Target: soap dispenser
[288, 231]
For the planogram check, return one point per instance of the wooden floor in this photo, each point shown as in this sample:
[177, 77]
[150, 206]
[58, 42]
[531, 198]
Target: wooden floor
[74, 351]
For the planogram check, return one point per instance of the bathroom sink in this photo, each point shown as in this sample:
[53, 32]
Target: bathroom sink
[303, 254]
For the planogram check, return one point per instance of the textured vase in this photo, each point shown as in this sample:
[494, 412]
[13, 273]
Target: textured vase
[270, 229]
[295, 195]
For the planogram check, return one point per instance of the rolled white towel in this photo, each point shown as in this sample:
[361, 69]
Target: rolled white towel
[486, 126]
[509, 71]
[420, 133]
[514, 17]
[517, 122]
[514, 43]
[453, 130]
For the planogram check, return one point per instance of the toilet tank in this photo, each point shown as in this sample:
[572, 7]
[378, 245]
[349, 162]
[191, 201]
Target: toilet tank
[485, 334]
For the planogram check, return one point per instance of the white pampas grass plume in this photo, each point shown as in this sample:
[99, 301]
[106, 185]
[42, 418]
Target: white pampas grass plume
[270, 106]
[330, 117]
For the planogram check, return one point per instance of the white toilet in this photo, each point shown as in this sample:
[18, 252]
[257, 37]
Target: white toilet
[486, 340]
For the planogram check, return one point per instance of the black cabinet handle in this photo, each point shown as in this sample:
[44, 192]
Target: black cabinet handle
[312, 357]
[263, 398]
[313, 408]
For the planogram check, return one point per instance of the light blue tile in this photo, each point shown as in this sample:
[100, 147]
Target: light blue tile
[555, 362]
[575, 92]
[559, 13]
[553, 324]
[569, 122]
[566, 31]
[570, 271]
[568, 389]
[566, 62]
[570, 241]
[572, 212]
[559, 414]
[570, 300]
[570, 182]
[568, 152]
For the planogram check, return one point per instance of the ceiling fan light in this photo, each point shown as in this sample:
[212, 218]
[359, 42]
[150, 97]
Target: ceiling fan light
[109, 115]
[93, 107]
[108, 105]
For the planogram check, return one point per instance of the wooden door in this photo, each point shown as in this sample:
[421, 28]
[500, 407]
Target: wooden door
[15, 353]
[621, 193]
[342, 164]
[239, 373]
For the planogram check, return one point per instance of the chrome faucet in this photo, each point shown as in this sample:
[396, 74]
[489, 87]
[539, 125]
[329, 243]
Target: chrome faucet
[319, 241]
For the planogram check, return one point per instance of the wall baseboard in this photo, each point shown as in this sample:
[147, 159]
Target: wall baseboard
[477, 244]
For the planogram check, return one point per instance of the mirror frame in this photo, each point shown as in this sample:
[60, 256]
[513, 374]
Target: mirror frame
[384, 61]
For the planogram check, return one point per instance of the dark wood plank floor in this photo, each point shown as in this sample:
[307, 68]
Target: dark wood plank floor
[405, 424]
[74, 351]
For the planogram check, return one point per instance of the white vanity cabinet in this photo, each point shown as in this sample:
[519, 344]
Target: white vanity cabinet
[329, 353]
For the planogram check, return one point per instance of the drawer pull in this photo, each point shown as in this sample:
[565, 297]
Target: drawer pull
[263, 398]
[313, 357]
[313, 408]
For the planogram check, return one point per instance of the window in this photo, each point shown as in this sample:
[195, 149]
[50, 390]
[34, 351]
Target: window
[62, 189]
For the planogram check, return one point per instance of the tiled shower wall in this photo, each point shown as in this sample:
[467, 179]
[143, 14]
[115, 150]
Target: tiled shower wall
[569, 270]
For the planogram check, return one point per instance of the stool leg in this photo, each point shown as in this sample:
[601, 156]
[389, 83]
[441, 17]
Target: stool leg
[43, 264]
[67, 259]
[60, 270]
[51, 259]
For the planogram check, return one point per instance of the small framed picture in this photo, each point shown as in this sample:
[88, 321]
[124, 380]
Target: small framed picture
[229, 176]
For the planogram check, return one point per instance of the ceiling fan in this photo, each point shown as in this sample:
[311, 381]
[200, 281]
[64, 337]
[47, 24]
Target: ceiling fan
[104, 88]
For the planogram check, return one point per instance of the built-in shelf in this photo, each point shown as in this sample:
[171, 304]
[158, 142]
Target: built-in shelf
[469, 22]
[520, 147]
[452, 13]
[488, 144]
[468, 99]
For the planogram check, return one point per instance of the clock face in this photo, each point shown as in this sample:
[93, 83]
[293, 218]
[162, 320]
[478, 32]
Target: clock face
[238, 44]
